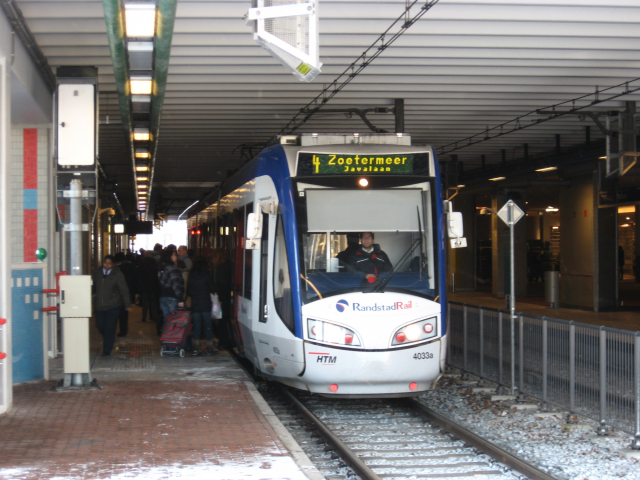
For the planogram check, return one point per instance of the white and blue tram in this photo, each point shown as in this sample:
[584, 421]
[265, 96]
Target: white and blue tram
[303, 316]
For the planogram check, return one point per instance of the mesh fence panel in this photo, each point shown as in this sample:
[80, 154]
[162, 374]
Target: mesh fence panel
[620, 379]
[588, 370]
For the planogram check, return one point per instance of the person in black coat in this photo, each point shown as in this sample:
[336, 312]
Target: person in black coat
[223, 281]
[199, 288]
[130, 273]
[111, 296]
[149, 288]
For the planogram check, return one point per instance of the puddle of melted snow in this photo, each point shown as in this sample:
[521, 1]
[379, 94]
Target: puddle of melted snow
[267, 468]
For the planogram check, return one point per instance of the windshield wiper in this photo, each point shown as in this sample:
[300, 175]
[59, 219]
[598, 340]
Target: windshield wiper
[400, 263]
[383, 284]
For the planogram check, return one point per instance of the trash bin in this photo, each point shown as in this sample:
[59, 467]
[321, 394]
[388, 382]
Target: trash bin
[552, 288]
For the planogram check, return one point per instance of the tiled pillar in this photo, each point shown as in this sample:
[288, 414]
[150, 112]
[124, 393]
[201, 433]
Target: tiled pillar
[30, 193]
[5, 262]
[29, 230]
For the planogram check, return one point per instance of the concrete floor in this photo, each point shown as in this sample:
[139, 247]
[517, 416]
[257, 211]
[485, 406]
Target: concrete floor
[153, 418]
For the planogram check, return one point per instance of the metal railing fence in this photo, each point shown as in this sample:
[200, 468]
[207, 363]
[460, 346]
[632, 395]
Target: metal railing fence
[589, 370]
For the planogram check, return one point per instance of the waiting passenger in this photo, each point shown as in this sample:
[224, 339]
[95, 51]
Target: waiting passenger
[368, 258]
[223, 281]
[199, 288]
[149, 288]
[130, 273]
[171, 284]
[111, 296]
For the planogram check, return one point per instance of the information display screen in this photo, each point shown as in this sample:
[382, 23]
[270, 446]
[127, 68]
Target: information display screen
[357, 164]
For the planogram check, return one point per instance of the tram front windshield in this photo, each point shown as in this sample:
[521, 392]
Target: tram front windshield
[403, 223]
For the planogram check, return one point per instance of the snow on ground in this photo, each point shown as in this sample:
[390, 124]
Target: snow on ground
[268, 468]
[568, 451]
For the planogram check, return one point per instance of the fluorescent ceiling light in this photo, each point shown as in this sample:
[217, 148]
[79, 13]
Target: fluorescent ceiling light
[546, 169]
[142, 179]
[497, 179]
[140, 20]
[551, 209]
[141, 134]
[142, 154]
[140, 86]
[142, 169]
[460, 186]
[142, 187]
[141, 99]
[118, 228]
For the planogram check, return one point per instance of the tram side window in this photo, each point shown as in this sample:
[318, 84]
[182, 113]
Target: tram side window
[248, 258]
[282, 279]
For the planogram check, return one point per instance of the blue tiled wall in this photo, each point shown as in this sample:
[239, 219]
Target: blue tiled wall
[26, 316]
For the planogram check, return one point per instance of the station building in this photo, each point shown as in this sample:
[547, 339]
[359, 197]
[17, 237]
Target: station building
[575, 176]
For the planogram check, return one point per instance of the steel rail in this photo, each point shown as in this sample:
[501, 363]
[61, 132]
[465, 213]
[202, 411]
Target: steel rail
[480, 443]
[350, 458]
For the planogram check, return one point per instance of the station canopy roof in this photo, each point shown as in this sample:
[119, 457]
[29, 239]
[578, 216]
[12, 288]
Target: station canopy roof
[464, 67]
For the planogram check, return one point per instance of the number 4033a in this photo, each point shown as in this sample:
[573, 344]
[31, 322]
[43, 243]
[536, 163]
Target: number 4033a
[423, 356]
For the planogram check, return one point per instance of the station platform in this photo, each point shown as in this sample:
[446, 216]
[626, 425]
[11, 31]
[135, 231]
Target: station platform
[627, 317]
[153, 418]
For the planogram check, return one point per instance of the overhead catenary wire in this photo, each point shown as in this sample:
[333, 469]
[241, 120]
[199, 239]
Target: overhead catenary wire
[514, 124]
[362, 62]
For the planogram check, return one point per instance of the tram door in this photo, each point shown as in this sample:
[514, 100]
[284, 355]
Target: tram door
[264, 323]
[264, 270]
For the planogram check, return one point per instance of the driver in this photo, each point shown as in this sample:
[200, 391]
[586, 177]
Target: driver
[368, 258]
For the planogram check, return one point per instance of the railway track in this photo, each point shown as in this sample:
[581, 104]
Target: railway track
[391, 439]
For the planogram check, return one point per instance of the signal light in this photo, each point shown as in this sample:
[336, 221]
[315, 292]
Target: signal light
[348, 338]
[413, 386]
[401, 337]
[199, 232]
[193, 232]
[371, 279]
[333, 388]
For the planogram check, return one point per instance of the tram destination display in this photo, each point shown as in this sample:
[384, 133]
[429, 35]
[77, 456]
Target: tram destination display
[358, 164]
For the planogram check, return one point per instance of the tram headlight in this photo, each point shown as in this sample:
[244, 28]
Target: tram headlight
[326, 332]
[415, 332]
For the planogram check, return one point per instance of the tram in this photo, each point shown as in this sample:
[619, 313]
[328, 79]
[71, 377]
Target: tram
[305, 315]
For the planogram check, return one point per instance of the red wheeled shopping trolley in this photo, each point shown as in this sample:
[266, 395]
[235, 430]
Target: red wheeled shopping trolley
[175, 332]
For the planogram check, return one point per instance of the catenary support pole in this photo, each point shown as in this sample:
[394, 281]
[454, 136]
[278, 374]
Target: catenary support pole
[635, 443]
[481, 318]
[545, 364]
[572, 367]
[602, 428]
[75, 226]
[399, 114]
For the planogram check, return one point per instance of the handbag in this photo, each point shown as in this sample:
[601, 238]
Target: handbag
[216, 308]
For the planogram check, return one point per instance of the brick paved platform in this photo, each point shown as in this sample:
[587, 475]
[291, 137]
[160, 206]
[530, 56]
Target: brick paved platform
[155, 418]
